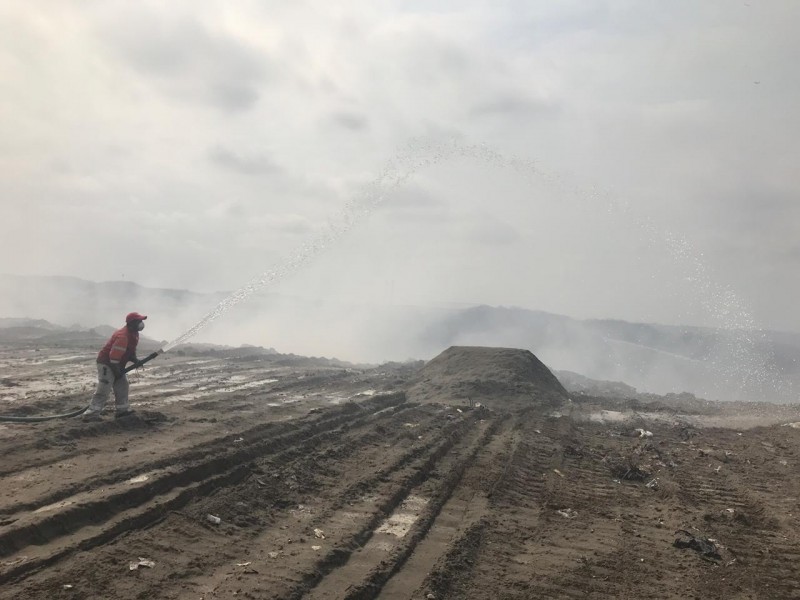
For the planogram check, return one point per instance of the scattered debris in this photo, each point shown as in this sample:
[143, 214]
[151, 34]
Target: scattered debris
[261, 482]
[67, 586]
[537, 431]
[625, 470]
[244, 564]
[568, 513]
[142, 562]
[652, 484]
[273, 554]
[643, 433]
[783, 462]
[237, 440]
[213, 519]
[705, 546]
[410, 425]
[557, 472]
[318, 533]
[316, 547]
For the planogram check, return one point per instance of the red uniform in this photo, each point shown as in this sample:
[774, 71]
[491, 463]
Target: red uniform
[120, 348]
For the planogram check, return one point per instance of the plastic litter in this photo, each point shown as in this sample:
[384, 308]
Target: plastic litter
[244, 564]
[273, 554]
[316, 547]
[213, 519]
[643, 433]
[557, 472]
[705, 546]
[568, 513]
[142, 562]
[318, 533]
[67, 586]
[652, 484]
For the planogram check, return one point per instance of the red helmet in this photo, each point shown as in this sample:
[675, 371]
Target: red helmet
[134, 316]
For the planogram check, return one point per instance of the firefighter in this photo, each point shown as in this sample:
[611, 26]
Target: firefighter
[111, 360]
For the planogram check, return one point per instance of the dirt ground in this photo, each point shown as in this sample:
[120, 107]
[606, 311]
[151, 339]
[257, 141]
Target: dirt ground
[253, 475]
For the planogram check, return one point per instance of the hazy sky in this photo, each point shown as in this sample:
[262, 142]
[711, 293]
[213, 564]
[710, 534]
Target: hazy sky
[197, 144]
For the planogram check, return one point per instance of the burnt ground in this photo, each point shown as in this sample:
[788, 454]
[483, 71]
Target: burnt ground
[328, 481]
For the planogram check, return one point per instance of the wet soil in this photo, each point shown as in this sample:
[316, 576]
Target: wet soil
[254, 476]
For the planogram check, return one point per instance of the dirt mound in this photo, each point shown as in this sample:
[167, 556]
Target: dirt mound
[495, 377]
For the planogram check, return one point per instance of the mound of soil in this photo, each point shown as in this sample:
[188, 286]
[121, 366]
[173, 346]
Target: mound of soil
[494, 377]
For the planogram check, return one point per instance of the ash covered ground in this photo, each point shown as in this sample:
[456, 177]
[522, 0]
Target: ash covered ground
[248, 473]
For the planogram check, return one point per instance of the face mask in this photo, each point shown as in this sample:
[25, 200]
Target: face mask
[140, 326]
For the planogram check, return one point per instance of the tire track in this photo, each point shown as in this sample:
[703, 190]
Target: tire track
[158, 495]
[303, 456]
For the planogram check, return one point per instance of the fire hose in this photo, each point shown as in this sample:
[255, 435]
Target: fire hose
[74, 413]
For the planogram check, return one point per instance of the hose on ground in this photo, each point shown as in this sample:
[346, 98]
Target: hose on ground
[13, 419]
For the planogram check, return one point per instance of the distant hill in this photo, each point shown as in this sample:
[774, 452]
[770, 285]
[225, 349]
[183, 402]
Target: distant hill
[84, 304]
[39, 332]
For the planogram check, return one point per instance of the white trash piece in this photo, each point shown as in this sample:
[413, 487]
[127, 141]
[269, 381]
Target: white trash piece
[213, 519]
[142, 562]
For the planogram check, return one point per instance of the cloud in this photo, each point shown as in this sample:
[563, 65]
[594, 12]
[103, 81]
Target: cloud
[512, 106]
[351, 121]
[243, 164]
[491, 231]
[187, 59]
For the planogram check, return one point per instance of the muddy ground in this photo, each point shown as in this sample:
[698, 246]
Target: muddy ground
[254, 475]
